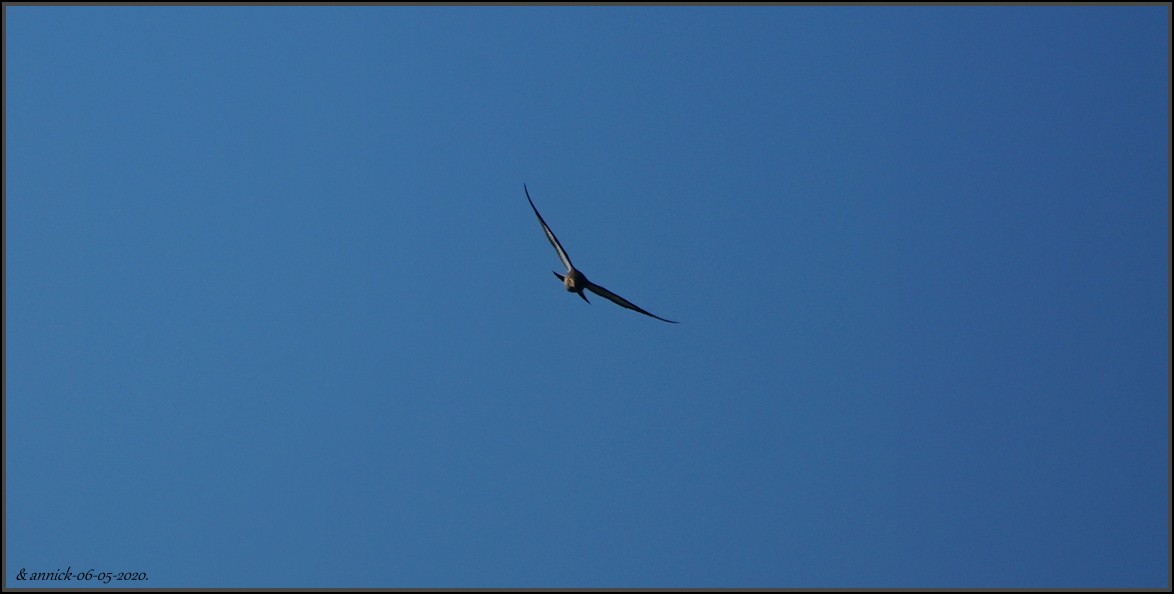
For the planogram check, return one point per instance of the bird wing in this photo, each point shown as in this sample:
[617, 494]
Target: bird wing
[620, 301]
[562, 254]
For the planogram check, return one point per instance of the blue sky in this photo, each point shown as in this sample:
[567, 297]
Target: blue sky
[278, 313]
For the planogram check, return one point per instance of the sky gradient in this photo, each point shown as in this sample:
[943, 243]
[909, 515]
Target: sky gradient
[277, 313]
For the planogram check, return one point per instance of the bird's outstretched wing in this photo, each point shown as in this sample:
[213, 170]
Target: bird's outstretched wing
[620, 301]
[562, 254]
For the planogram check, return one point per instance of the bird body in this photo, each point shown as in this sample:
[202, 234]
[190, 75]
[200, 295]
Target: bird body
[574, 282]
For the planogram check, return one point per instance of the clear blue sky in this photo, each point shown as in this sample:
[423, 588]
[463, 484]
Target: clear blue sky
[278, 313]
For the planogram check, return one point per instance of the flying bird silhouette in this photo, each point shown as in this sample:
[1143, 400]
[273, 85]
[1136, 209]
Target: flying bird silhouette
[575, 281]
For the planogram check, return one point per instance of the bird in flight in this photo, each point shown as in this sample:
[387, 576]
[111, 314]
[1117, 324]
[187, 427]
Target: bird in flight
[573, 280]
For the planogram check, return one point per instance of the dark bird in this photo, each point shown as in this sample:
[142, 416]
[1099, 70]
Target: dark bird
[575, 281]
